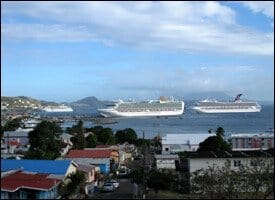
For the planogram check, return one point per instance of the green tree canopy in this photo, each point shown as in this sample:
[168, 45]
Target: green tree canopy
[126, 135]
[159, 181]
[12, 125]
[91, 141]
[78, 140]
[43, 141]
[215, 143]
[105, 136]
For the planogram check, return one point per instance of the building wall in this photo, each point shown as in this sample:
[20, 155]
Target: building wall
[103, 163]
[71, 169]
[204, 163]
[256, 141]
[166, 164]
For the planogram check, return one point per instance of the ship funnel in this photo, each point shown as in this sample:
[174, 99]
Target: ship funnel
[238, 97]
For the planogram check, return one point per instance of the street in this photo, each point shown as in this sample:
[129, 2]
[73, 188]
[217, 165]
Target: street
[125, 191]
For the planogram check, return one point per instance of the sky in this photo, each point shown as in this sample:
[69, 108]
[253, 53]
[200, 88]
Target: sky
[65, 51]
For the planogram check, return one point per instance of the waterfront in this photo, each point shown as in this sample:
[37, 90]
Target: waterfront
[189, 122]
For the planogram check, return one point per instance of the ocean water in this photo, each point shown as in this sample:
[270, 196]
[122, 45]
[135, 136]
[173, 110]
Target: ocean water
[190, 122]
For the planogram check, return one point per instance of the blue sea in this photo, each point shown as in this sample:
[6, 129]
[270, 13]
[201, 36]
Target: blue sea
[189, 122]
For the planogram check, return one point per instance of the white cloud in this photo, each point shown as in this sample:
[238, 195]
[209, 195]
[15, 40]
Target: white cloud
[174, 26]
[264, 7]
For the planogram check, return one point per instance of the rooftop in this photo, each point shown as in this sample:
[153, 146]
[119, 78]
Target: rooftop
[35, 181]
[40, 166]
[89, 153]
[231, 154]
[85, 168]
[167, 156]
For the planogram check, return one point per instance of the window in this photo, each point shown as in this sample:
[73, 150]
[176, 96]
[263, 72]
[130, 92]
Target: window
[237, 163]
[166, 149]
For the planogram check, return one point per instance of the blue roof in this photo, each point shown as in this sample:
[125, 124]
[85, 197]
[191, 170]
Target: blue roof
[59, 167]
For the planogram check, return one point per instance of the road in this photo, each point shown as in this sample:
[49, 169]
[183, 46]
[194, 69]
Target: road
[125, 191]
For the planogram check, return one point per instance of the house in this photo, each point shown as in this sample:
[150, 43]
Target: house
[21, 137]
[29, 185]
[115, 153]
[90, 175]
[57, 168]
[166, 161]
[174, 143]
[252, 141]
[193, 161]
[101, 158]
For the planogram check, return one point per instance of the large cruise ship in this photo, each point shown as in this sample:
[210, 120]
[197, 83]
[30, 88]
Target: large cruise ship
[161, 107]
[60, 108]
[236, 106]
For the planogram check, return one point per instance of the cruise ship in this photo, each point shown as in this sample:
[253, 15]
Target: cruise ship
[60, 108]
[161, 107]
[236, 106]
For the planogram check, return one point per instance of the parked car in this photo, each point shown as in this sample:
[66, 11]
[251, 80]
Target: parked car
[108, 187]
[114, 182]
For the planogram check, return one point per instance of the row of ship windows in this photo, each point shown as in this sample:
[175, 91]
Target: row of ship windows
[145, 110]
[228, 107]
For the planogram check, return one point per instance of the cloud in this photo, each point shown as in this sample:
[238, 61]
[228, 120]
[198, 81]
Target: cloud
[149, 82]
[193, 27]
[264, 7]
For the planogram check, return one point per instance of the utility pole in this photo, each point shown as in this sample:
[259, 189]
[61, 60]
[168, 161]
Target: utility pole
[143, 171]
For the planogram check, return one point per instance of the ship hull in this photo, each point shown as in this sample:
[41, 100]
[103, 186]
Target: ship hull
[114, 113]
[201, 110]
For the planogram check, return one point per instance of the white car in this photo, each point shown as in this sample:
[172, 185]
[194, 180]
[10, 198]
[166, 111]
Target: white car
[114, 182]
[108, 187]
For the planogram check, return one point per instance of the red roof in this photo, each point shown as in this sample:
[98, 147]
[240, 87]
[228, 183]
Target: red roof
[35, 181]
[89, 153]
[15, 143]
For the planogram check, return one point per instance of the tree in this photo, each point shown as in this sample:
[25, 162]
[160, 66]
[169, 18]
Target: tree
[215, 143]
[246, 183]
[78, 140]
[12, 125]
[91, 141]
[72, 184]
[43, 141]
[105, 136]
[159, 181]
[126, 135]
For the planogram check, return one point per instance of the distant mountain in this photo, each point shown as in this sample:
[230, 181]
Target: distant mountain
[19, 102]
[89, 102]
[203, 95]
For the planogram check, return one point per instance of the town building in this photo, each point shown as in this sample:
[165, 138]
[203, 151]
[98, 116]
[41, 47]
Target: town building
[174, 143]
[166, 161]
[252, 141]
[194, 161]
[101, 158]
[29, 185]
[57, 168]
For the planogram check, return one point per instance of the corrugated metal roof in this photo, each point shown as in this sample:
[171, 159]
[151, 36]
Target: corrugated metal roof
[19, 180]
[89, 154]
[40, 166]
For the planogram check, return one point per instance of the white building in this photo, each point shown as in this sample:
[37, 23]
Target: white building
[174, 143]
[194, 161]
[166, 161]
[252, 141]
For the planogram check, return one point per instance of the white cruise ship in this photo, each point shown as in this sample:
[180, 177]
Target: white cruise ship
[161, 107]
[236, 106]
[60, 108]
